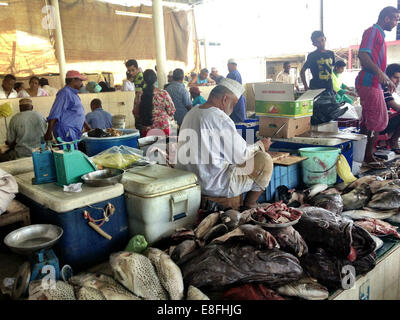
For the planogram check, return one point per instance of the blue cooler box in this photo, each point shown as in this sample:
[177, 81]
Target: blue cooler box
[96, 145]
[80, 246]
[248, 129]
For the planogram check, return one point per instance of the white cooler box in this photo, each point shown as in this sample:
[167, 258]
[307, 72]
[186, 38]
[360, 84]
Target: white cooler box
[160, 200]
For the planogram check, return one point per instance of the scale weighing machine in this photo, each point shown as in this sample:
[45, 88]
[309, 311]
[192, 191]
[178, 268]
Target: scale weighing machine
[35, 242]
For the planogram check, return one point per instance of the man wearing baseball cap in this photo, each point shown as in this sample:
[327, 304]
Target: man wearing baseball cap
[239, 112]
[210, 146]
[67, 116]
[24, 132]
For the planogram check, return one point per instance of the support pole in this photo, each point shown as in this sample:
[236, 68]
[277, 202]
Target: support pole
[59, 43]
[205, 53]
[158, 25]
[322, 16]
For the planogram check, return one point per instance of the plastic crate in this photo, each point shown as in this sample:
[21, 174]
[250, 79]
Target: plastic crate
[248, 132]
[288, 176]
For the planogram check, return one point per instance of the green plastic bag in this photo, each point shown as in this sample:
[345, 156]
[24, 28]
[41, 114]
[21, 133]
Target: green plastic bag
[137, 244]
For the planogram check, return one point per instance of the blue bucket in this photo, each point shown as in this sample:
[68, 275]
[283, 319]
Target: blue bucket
[96, 145]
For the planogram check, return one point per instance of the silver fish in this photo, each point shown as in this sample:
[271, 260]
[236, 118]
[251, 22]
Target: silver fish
[385, 199]
[195, 294]
[305, 288]
[363, 214]
[233, 219]
[108, 287]
[206, 224]
[316, 189]
[376, 185]
[379, 242]
[136, 273]
[363, 180]
[357, 198]
[168, 272]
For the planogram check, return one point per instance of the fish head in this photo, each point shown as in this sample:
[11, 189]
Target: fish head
[121, 265]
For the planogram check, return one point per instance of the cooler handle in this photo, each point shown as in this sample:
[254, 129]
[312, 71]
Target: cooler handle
[178, 198]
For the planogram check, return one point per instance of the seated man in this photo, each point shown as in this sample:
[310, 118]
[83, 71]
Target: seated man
[98, 118]
[342, 91]
[197, 99]
[24, 132]
[210, 146]
[215, 75]
[202, 80]
[393, 128]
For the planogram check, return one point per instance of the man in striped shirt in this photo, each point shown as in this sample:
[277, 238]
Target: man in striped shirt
[372, 78]
[393, 128]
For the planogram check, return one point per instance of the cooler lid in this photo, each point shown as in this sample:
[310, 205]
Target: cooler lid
[53, 197]
[155, 179]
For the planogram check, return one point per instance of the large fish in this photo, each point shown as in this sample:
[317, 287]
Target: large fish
[330, 270]
[385, 199]
[357, 198]
[233, 219]
[252, 234]
[106, 285]
[290, 241]
[206, 224]
[168, 272]
[364, 214]
[136, 273]
[329, 201]
[195, 294]
[305, 288]
[376, 185]
[183, 249]
[364, 180]
[217, 266]
[60, 291]
[87, 293]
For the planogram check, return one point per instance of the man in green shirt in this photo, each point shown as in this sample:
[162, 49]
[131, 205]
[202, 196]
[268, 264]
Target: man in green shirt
[24, 132]
[136, 75]
[342, 91]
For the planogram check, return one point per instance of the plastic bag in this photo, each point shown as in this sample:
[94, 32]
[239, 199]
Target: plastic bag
[137, 244]
[119, 157]
[6, 110]
[344, 170]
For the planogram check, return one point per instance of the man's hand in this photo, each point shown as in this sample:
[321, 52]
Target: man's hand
[267, 143]
[48, 136]
[391, 86]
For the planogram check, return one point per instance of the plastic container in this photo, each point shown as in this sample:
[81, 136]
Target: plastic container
[248, 132]
[288, 176]
[160, 200]
[19, 166]
[80, 246]
[118, 121]
[320, 167]
[97, 145]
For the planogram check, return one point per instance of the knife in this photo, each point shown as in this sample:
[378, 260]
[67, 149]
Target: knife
[279, 130]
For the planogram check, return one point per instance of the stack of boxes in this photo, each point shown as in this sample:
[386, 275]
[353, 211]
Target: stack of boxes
[276, 104]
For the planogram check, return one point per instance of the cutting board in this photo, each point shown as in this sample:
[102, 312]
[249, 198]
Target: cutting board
[278, 155]
[290, 160]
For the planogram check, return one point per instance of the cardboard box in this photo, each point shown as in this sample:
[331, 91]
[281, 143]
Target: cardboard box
[293, 127]
[278, 100]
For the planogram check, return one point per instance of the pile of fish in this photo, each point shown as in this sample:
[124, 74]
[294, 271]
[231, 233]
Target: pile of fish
[149, 276]
[277, 213]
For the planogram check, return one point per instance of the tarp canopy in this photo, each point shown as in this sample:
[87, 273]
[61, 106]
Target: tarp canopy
[91, 31]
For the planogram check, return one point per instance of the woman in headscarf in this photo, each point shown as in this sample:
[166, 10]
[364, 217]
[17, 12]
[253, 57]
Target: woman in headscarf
[154, 107]
[34, 89]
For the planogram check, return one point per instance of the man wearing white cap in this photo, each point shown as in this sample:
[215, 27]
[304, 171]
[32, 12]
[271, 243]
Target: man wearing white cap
[67, 116]
[239, 111]
[210, 146]
[24, 132]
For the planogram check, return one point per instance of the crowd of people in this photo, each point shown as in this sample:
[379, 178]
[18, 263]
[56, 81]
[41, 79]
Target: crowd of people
[180, 100]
